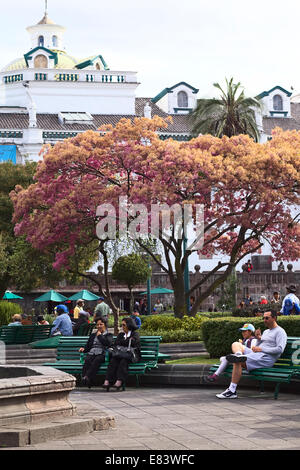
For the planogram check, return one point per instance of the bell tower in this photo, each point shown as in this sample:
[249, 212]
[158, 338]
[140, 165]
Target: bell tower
[46, 33]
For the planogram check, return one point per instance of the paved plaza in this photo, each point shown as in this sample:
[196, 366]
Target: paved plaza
[187, 418]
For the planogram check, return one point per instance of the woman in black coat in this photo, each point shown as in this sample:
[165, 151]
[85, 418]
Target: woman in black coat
[96, 347]
[117, 371]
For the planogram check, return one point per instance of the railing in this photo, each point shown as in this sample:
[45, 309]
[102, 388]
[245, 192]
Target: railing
[71, 76]
[66, 77]
[55, 135]
[13, 78]
[40, 76]
[11, 134]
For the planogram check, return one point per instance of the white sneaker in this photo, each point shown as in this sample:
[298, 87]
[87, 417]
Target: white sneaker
[227, 394]
[234, 358]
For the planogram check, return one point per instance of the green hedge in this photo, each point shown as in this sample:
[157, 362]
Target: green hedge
[219, 334]
[175, 336]
[7, 310]
[249, 311]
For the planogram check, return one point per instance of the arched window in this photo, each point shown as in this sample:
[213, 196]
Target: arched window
[277, 103]
[182, 99]
[54, 41]
[41, 41]
[40, 62]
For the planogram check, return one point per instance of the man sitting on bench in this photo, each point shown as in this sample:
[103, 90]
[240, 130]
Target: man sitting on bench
[268, 349]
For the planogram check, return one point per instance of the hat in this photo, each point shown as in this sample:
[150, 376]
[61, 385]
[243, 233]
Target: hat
[247, 326]
[291, 288]
[62, 308]
[80, 300]
[101, 298]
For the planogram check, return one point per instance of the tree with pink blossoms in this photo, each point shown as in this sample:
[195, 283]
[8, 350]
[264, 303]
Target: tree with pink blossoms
[247, 191]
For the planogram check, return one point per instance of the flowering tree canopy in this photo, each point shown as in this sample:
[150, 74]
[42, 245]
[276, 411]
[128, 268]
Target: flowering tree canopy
[247, 190]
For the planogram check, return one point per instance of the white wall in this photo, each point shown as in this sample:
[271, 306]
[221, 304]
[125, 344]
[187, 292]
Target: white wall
[52, 97]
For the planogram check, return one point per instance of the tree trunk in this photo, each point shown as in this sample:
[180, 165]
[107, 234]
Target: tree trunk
[131, 300]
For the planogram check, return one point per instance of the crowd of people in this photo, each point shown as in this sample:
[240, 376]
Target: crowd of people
[254, 351]
[289, 305]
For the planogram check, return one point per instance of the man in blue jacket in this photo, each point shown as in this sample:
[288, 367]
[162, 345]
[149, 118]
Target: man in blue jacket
[62, 324]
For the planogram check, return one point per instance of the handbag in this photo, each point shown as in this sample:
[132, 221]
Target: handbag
[124, 352]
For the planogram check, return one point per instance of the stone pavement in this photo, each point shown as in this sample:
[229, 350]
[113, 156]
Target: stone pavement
[187, 418]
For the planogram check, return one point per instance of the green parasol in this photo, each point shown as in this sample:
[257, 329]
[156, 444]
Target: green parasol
[159, 290]
[52, 296]
[84, 295]
[9, 296]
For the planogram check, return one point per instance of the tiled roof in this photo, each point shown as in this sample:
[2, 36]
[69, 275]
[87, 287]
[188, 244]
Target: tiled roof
[50, 122]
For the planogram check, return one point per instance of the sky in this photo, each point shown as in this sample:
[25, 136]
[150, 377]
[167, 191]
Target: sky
[168, 41]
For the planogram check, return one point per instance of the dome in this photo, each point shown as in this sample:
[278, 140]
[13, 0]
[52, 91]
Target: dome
[65, 61]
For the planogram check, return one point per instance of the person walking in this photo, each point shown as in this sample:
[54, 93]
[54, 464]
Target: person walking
[96, 348]
[117, 371]
[102, 309]
[269, 347]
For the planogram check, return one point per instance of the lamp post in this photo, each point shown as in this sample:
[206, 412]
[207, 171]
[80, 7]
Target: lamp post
[186, 277]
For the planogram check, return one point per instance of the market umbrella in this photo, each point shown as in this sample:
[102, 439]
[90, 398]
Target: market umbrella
[84, 295]
[52, 296]
[9, 296]
[159, 290]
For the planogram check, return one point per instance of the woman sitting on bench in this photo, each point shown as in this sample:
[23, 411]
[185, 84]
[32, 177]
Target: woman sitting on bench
[117, 371]
[96, 347]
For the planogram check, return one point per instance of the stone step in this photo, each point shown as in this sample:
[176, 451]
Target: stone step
[30, 434]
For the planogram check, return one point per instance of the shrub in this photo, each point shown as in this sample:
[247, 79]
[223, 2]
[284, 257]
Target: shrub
[157, 322]
[218, 334]
[7, 310]
[174, 336]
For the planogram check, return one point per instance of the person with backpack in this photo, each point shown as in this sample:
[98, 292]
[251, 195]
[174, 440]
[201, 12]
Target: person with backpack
[291, 303]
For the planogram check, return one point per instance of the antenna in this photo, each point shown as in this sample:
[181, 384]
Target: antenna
[46, 7]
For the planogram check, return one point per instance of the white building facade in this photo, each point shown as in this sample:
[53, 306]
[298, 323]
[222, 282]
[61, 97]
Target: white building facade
[48, 95]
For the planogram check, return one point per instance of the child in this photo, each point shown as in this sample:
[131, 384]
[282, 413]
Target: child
[248, 340]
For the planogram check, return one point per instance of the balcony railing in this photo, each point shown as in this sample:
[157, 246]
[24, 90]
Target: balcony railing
[52, 75]
[11, 134]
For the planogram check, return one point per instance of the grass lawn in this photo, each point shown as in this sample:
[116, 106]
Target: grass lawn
[195, 360]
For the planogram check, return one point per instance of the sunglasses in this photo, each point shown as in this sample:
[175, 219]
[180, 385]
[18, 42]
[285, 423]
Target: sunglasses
[267, 318]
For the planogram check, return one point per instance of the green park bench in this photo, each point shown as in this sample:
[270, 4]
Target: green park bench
[282, 371]
[85, 329]
[24, 334]
[70, 360]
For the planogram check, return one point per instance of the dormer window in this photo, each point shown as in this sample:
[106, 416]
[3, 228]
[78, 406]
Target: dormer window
[277, 103]
[182, 99]
[54, 41]
[41, 41]
[40, 62]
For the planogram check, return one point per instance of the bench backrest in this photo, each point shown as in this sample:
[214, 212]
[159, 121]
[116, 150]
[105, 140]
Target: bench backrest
[288, 356]
[24, 334]
[68, 347]
[85, 329]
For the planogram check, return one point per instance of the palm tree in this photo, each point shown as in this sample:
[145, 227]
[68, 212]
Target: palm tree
[231, 114]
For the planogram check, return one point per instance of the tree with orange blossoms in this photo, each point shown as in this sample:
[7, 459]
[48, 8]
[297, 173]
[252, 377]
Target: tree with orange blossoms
[247, 190]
